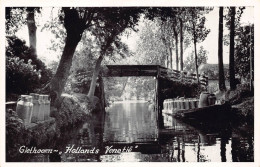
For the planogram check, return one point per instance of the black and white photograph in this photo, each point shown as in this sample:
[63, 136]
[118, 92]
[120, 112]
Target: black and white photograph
[129, 84]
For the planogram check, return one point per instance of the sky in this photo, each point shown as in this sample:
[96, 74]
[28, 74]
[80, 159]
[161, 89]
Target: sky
[210, 43]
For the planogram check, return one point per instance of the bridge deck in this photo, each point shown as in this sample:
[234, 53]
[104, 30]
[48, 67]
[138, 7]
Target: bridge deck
[150, 70]
[131, 70]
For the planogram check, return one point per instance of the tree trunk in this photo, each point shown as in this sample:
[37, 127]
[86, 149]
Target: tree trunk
[195, 51]
[167, 56]
[181, 44]
[222, 86]
[170, 57]
[231, 50]
[92, 88]
[32, 30]
[95, 76]
[167, 52]
[75, 28]
[124, 86]
[176, 49]
[167, 60]
[58, 82]
[196, 61]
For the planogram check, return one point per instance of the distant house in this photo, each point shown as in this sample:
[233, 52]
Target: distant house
[211, 70]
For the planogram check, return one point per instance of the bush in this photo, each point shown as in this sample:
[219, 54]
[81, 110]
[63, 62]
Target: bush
[74, 109]
[15, 133]
[24, 71]
[242, 92]
[186, 89]
[21, 77]
[80, 81]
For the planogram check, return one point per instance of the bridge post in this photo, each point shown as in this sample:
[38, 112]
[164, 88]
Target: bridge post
[159, 98]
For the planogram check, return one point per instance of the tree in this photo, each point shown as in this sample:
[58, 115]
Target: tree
[116, 21]
[156, 43]
[153, 46]
[244, 47]
[176, 44]
[76, 21]
[181, 43]
[233, 19]
[17, 48]
[24, 72]
[189, 65]
[32, 28]
[15, 17]
[82, 65]
[197, 28]
[180, 20]
[222, 86]
[167, 43]
[231, 50]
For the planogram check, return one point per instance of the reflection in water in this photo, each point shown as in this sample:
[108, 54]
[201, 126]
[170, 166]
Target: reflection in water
[223, 145]
[133, 127]
[130, 122]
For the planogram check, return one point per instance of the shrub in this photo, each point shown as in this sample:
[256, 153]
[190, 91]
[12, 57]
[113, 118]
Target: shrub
[80, 81]
[15, 133]
[24, 71]
[174, 89]
[242, 92]
[21, 77]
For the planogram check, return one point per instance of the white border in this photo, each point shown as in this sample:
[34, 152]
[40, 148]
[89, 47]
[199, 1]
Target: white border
[4, 3]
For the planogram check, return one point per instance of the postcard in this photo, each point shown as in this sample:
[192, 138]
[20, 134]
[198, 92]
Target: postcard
[136, 82]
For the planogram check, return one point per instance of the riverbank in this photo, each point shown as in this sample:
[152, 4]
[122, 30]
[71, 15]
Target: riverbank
[242, 100]
[245, 109]
[73, 111]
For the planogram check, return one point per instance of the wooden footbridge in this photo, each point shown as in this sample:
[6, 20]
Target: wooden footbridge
[153, 71]
[156, 71]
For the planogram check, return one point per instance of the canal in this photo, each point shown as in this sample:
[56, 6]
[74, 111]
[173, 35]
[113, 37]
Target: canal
[130, 133]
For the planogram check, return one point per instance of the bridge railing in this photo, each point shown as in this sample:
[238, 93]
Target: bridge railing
[152, 70]
[182, 75]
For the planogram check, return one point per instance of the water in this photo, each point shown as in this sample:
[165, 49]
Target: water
[130, 133]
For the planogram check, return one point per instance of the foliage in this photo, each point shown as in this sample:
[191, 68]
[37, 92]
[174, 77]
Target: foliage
[84, 60]
[243, 34]
[24, 72]
[211, 70]
[116, 21]
[74, 109]
[115, 87]
[150, 46]
[16, 16]
[119, 88]
[196, 28]
[173, 23]
[181, 89]
[82, 65]
[196, 23]
[189, 65]
[15, 133]
[113, 22]
[227, 17]
[140, 88]
[21, 77]
[55, 25]
[242, 92]
[243, 42]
